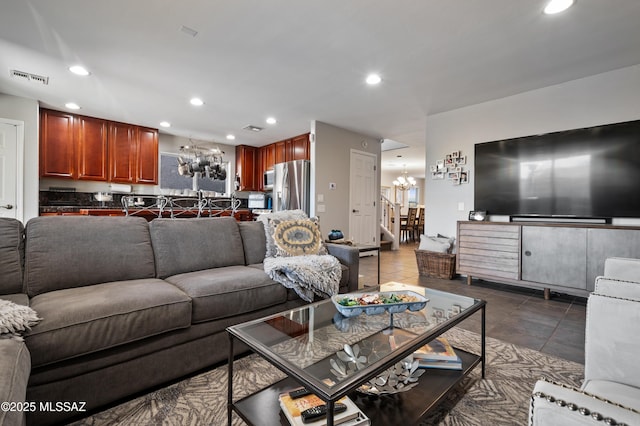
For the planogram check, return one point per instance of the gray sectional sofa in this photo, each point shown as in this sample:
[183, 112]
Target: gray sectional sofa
[128, 305]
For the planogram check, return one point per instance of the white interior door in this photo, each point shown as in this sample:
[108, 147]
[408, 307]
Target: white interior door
[363, 226]
[9, 169]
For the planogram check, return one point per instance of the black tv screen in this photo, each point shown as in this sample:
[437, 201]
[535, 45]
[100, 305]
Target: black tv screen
[591, 172]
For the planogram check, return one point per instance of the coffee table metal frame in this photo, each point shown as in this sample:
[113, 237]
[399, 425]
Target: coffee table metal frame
[300, 378]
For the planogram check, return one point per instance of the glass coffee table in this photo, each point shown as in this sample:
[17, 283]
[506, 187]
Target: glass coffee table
[304, 343]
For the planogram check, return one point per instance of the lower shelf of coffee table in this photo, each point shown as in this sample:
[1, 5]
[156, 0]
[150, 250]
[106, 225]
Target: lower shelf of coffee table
[405, 408]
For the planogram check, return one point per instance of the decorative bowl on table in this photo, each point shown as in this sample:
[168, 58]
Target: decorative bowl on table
[375, 303]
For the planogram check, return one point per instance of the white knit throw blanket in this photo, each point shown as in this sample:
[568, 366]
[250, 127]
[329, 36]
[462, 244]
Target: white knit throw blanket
[306, 275]
[15, 319]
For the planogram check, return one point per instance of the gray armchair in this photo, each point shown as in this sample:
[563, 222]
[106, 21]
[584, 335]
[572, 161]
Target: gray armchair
[610, 393]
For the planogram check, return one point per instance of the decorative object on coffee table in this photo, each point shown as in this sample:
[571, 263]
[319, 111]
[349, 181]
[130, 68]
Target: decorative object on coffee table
[400, 378]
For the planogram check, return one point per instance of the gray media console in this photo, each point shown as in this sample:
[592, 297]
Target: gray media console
[564, 258]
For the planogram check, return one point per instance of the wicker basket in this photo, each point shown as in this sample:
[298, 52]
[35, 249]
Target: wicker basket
[434, 264]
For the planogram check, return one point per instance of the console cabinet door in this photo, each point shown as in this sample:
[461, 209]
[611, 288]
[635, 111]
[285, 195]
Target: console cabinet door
[57, 145]
[604, 243]
[489, 250]
[91, 145]
[555, 255]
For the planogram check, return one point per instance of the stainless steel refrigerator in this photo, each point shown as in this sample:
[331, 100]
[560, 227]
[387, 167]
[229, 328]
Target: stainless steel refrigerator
[291, 186]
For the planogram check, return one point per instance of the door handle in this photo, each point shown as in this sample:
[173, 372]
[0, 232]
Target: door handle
[8, 207]
[355, 211]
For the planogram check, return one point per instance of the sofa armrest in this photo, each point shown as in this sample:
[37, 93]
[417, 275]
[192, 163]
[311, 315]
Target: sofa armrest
[611, 343]
[614, 287]
[553, 404]
[15, 367]
[350, 257]
[621, 268]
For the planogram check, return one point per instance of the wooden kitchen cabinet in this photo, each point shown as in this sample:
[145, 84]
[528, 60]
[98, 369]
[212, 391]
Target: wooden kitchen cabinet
[280, 152]
[122, 152]
[246, 167]
[268, 157]
[78, 147]
[299, 149]
[133, 154]
[296, 148]
[91, 145]
[57, 145]
[147, 156]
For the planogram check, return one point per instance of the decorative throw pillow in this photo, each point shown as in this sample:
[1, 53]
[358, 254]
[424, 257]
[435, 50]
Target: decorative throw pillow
[297, 237]
[16, 319]
[439, 245]
[282, 215]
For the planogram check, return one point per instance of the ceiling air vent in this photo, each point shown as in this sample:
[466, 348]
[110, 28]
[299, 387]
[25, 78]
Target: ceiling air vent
[29, 77]
[252, 128]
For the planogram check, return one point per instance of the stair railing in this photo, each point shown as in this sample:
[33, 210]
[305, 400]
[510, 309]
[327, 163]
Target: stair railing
[390, 218]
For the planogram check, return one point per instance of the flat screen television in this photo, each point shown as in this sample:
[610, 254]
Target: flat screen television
[588, 173]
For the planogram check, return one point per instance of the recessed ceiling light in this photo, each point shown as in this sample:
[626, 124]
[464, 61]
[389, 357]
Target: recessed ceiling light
[196, 102]
[231, 137]
[79, 70]
[72, 105]
[557, 6]
[271, 120]
[165, 124]
[373, 79]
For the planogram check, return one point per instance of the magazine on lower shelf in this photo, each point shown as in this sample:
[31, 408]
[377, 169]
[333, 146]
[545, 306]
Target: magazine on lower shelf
[438, 349]
[443, 364]
[292, 409]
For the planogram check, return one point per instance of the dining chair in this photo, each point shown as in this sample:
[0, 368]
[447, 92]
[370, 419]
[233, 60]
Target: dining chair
[406, 228]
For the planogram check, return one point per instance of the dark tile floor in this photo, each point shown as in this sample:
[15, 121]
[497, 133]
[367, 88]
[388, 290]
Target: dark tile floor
[514, 314]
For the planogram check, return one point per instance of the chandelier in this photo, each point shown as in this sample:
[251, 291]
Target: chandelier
[206, 161]
[404, 181]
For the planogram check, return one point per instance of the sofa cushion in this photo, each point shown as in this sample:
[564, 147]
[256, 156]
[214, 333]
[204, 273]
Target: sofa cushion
[15, 366]
[227, 291]
[83, 320]
[186, 245]
[19, 298]
[11, 255]
[254, 241]
[15, 319]
[73, 251]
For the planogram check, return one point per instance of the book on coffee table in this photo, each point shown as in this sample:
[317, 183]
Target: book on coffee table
[438, 349]
[292, 409]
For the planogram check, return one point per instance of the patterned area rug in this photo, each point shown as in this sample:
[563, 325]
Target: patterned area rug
[502, 398]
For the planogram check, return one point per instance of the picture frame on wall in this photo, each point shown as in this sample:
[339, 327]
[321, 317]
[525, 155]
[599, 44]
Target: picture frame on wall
[440, 165]
[453, 175]
[464, 177]
[462, 160]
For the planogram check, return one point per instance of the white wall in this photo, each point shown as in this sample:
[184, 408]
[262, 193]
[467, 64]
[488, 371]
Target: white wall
[330, 162]
[26, 110]
[601, 99]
